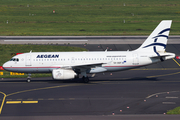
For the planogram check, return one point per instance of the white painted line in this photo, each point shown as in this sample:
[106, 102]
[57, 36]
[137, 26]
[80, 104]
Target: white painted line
[161, 93]
[44, 40]
[155, 94]
[71, 40]
[172, 97]
[168, 103]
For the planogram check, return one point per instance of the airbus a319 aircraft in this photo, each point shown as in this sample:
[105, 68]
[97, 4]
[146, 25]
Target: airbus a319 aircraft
[69, 65]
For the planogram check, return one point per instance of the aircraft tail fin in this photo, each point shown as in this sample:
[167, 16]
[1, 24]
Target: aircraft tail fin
[157, 40]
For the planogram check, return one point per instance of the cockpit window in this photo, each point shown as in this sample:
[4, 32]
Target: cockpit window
[14, 59]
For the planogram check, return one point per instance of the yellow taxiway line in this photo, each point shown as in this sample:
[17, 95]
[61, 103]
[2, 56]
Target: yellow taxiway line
[2, 101]
[29, 101]
[19, 102]
[13, 102]
[176, 62]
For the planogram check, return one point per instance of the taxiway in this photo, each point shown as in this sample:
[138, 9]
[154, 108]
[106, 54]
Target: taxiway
[149, 90]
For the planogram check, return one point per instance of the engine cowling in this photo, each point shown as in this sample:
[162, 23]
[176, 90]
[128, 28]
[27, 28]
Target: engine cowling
[63, 74]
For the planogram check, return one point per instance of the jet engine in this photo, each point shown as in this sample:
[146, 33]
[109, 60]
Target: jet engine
[63, 74]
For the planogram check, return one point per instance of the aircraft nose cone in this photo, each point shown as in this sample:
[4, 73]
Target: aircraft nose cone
[5, 65]
[8, 66]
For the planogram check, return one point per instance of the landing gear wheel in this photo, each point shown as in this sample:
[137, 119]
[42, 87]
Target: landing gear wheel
[85, 79]
[28, 80]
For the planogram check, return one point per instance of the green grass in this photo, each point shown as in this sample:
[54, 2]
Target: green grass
[7, 50]
[86, 17]
[175, 111]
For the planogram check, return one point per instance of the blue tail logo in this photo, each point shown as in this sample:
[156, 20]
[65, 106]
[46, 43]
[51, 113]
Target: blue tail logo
[156, 38]
[160, 34]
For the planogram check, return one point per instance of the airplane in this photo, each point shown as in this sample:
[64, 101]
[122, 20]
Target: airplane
[69, 65]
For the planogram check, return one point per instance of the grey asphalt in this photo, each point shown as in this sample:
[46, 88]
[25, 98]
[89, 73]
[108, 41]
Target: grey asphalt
[134, 92]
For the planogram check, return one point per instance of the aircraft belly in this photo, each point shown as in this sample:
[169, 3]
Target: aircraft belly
[118, 68]
[123, 67]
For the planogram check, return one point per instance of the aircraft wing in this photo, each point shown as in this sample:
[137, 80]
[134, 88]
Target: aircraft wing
[84, 66]
[87, 65]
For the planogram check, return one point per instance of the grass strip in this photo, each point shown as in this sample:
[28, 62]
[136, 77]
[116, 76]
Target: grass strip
[86, 17]
[175, 111]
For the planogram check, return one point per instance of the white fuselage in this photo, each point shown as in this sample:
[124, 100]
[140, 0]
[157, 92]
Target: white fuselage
[45, 62]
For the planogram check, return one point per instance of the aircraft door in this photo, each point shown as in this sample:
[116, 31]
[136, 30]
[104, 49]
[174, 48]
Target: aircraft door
[135, 59]
[28, 60]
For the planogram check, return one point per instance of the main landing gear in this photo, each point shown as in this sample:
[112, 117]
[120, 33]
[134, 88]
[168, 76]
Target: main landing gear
[29, 78]
[85, 79]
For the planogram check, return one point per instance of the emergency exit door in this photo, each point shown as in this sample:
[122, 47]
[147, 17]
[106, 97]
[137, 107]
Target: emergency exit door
[135, 59]
[28, 60]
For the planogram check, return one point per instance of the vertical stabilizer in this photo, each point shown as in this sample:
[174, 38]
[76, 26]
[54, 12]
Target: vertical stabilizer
[157, 40]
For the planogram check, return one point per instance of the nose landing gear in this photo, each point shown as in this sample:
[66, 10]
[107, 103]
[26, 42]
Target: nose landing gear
[29, 78]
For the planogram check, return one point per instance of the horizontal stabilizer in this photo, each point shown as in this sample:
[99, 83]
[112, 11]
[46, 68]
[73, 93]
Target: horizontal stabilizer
[164, 56]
